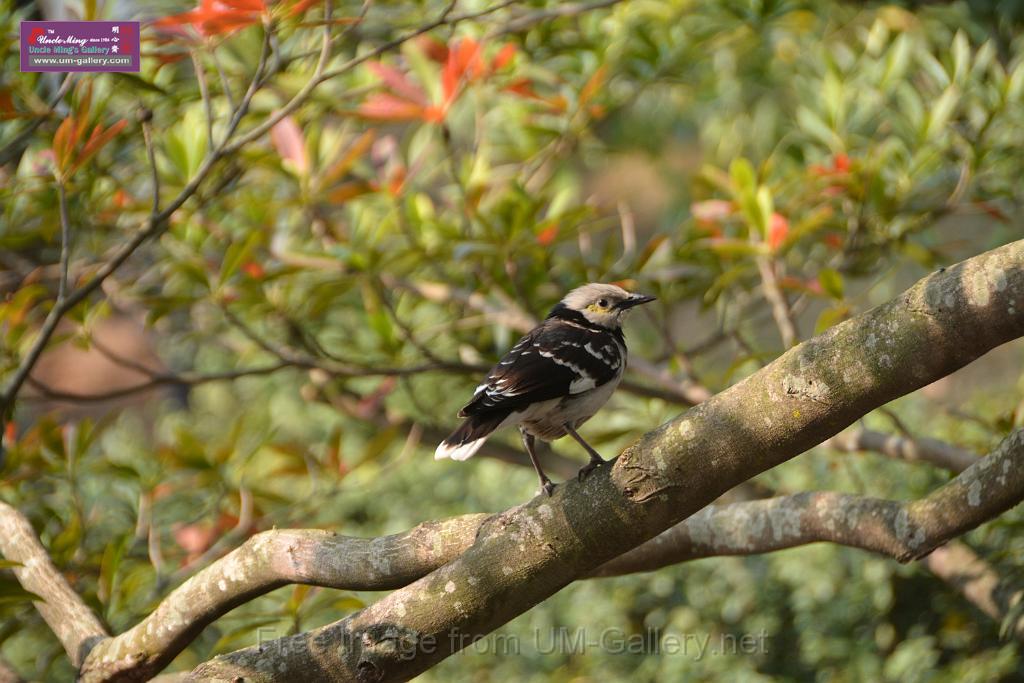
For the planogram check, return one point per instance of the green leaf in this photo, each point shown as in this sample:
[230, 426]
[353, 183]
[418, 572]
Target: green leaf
[1015, 84]
[831, 316]
[896, 61]
[11, 592]
[250, 631]
[376, 446]
[961, 56]
[724, 281]
[813, 125]
[349, 603]
[744, 182]
[832, 282]
[237, 253]
[648, 251]
[765, 208]
[137, 82]
[941, 111]
[737, 248]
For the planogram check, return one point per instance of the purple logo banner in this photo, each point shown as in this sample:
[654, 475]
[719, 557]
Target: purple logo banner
[79, 46]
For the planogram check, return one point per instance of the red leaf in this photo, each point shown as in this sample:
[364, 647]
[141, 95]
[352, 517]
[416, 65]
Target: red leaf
[435, 113]
[289, 143]
[10, 432]
[504, 56]
[349, 158]
[390, 108]
[593, 85]
[433, 48]
[64, 140]
[397, 181]
[450, 77]
[467, 57]
[547, 234]
[398, 83]
[522, 87]
[7, 110]
[347, 191]
[214, 17]
[246, 5]
[253, 270]
[778, 228]
[97, 141]
[834, 241]
[840, 166]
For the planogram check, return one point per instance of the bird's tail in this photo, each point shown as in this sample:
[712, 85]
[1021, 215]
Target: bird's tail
[465, 441]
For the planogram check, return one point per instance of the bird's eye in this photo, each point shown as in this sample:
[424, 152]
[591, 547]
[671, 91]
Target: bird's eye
[603, 303]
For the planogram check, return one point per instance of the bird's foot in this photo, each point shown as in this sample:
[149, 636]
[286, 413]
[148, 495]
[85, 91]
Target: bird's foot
[590, 467]
[547, 486]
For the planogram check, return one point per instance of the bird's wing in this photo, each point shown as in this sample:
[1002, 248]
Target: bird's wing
[555, 360]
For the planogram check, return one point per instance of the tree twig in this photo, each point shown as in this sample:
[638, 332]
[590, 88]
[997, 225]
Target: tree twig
[781, 311]
[13, 148]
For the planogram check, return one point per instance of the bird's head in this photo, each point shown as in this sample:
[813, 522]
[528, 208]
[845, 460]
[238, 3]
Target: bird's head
[601, 304]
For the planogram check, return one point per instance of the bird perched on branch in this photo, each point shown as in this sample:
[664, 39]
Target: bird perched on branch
[554, 379]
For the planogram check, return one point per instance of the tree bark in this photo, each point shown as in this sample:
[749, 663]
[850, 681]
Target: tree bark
[68, 617]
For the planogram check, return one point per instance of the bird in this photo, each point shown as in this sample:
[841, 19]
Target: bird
[553, 379]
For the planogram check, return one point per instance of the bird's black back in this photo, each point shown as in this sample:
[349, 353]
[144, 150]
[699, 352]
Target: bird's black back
[562, 356]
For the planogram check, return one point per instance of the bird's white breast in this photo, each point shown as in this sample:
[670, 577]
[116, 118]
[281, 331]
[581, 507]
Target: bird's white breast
[546, 420]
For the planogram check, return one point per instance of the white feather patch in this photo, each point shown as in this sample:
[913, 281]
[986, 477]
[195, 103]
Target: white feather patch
[581, 384]
[458, 452]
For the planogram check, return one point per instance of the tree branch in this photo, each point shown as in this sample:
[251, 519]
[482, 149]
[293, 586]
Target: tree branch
[904, 531]
[20, 141]
[810, 393]
[266, 561]
[276, 558]
[68, 617]
[978, 582]
[921, 449]
[562, 11]
[781, 310]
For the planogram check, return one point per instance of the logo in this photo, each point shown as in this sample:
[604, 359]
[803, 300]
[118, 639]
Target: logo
[62, 46]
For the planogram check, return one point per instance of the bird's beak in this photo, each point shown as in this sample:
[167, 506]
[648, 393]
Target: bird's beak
[636, 300]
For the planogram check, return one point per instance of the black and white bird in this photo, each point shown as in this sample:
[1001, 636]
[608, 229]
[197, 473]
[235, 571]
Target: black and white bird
[554, 379]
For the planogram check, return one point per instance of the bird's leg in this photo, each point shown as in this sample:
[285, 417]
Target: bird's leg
[545, 484]
[595, 458]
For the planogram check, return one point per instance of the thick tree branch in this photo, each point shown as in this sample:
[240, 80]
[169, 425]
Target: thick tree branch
[68, 617]
[276, 558]
[266, 561]
[530, 552]
[902, 530]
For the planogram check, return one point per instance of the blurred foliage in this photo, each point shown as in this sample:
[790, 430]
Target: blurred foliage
[416, 206]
